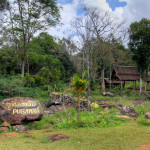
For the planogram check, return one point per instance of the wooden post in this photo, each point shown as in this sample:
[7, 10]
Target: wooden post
[140, 85]
[135, 85]
[145, 85]
[123, 84]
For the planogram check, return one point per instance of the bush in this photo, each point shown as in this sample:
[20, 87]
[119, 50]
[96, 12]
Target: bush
[95, 119]
[141, 110]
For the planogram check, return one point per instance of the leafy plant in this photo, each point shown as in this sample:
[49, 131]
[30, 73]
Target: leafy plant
[79, 85]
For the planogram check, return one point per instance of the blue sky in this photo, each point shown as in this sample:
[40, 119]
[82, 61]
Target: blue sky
[113, 4]
[126, 10]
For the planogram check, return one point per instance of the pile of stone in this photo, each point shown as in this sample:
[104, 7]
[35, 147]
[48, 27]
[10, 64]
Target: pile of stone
[126, 110]
[85, 105]
[58, 102]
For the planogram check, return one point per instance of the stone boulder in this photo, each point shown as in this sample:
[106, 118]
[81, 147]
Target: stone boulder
[20, 128]
[20, 109]
[126, 110]
[58, 137]
[108, 94]
[147, 115]
[85, 105]
[61, 99]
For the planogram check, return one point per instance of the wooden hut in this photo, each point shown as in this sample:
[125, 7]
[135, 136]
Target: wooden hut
[108, 82]
[125, 73]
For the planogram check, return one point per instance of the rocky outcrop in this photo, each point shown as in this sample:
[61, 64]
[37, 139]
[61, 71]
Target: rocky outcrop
[126, 110]
[85, 105]
[20, 109]
[108, 94]
[147, 115]
[58, 102]
[20, 128]
[61, 99]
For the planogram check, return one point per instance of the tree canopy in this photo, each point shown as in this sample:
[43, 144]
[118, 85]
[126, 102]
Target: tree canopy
[139, 44]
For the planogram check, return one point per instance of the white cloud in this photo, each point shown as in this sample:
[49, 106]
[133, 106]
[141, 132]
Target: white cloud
[97, 3]
[135, 10]
[68, 13]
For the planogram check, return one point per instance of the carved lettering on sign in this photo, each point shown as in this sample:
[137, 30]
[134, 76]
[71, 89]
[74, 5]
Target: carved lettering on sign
[27, 104]
[26, 111]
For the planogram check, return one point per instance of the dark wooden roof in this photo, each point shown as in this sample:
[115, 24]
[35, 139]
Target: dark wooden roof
[127, 73]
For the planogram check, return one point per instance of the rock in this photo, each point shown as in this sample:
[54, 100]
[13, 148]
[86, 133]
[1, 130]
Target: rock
[58, 102]
[28, 136]
[20, 128]
[56, 98]
[108, 94]
[126, 110]
[85, 105]
[59, 120]
[5, 124]
[4, 129]
[20, 109]
[60, 99]
[58, 137]
[106, 108]
[104, 105]
[147, 115]
[48, 131]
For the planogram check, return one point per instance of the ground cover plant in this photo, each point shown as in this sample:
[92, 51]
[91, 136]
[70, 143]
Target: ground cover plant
[97, 118]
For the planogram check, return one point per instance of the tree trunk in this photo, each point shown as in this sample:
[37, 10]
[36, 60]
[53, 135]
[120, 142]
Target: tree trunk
[103, 82]
[110, 78]
[140, 85]
[23, 67]
[89, 89]
[145, 85]
[78, 109]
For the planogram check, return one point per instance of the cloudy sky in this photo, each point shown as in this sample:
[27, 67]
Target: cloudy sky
[129, 10]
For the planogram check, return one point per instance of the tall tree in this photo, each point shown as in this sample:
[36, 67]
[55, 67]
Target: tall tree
[23, 18]
[102, 26]
[139, 44]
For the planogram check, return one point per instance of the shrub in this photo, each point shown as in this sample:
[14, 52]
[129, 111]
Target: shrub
[95, 119]
[141, 110]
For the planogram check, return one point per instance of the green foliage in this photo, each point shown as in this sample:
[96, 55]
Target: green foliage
[141, 110]
[79, 85]
[140, 43]
[95, 119]
[12, 86]
[143, 122]
[94, 106]
[11, 129]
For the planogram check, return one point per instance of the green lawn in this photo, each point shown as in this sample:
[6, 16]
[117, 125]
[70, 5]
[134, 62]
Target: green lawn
[129, 136]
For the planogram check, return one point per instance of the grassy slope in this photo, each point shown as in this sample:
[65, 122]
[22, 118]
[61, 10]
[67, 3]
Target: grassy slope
[125, 137]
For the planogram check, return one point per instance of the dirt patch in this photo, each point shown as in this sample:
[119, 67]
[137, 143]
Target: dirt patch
[145, 147]
[12, 134]
[28, 136]
[48, 131]
[58, 137]
[2, 139]
[123, 116]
